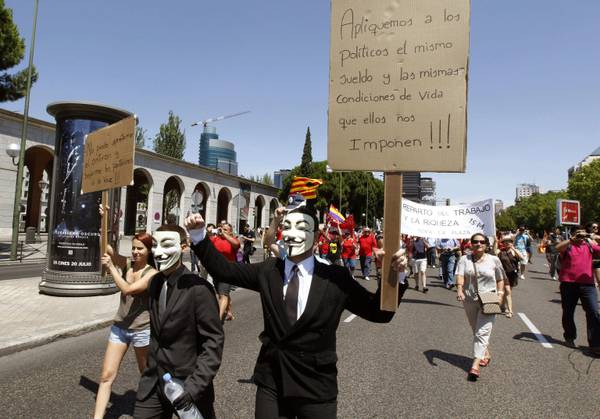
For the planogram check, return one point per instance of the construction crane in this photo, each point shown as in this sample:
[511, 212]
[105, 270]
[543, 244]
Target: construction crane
[220, 118]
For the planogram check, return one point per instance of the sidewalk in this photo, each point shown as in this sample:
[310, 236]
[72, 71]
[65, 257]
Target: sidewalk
[29, 319]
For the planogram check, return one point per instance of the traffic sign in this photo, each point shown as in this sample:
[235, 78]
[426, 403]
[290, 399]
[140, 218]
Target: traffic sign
[568, 212]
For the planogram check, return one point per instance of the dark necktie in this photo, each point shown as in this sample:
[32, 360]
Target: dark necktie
[291, 296]
[162, 300]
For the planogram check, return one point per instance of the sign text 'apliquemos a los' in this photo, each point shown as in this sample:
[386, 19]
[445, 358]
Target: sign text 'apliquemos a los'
[398, 85]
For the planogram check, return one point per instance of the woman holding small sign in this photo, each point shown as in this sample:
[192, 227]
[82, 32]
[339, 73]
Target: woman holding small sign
[479, 274]
[132, 321]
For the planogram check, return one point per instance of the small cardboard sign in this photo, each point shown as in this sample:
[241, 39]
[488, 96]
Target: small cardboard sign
[108, 157]
[398, 85]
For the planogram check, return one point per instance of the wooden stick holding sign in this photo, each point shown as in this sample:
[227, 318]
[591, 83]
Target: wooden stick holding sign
[391, 239]
[398, 97]
[108, 163]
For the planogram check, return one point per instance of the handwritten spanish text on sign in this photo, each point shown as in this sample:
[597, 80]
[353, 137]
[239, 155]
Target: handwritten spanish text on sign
[398, 85]
[108, 157]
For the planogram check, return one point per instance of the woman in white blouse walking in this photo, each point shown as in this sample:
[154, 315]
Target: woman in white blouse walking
[479, 272]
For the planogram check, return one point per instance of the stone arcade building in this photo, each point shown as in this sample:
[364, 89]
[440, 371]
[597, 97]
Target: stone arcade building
[162, 188]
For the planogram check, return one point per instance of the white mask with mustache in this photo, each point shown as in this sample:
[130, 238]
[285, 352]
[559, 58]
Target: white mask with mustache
[298, 233]
[166, 249]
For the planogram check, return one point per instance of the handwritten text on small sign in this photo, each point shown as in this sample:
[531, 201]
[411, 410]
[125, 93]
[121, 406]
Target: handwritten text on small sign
[398, 85]
[108, 158]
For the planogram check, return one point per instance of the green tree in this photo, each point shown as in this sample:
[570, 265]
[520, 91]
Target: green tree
[306, 163]
[537, 212]
[170, 140]
[140, 137]
[584, 186]
[504, 222]
[12, 51]
[266, 179]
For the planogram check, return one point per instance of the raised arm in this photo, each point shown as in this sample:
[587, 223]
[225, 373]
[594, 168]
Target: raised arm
[270, 235]
[127, 288]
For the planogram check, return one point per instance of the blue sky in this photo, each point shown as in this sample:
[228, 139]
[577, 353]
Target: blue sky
[533, 107]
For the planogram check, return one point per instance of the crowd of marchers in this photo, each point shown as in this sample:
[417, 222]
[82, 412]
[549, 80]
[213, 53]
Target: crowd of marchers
[310, 274]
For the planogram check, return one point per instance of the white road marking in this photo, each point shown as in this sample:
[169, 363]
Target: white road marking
[350, 318]
[535, 330]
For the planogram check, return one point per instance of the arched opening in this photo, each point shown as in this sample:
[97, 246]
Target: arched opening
[222, 205]
[259, 204]
[36, 188]
[272, 207]
[205, 191]
[136, 202]
[172, 193]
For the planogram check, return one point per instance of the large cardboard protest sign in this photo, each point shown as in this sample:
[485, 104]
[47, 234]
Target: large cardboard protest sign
[398, 85]
[448, 222]
[108, 163]
[108, 157]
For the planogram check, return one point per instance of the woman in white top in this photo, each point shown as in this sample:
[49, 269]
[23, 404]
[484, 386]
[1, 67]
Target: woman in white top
[479, 272]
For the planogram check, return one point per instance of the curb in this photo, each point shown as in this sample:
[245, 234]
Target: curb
[9, 262]
[41, 340]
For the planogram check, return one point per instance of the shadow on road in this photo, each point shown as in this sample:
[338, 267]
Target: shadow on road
[530, 337]
[120, 404]
[411, 300]
[459, 361]
[245, 380]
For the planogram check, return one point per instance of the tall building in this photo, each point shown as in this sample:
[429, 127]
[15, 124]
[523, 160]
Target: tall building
[526, 189]
[498, 206]
[587, 160]
[217, 154]
[279, 176]
[411, 186]
[427, 190]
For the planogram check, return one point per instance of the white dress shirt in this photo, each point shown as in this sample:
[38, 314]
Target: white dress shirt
[306, 268]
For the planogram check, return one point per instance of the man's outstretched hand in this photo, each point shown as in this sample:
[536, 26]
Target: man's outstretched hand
[194, 222]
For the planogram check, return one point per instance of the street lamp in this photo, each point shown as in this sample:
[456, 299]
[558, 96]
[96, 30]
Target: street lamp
[13, 150]
[17, 203]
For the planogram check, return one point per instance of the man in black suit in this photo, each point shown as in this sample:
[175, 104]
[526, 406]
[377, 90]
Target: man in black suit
[186, 333]
[302, 302]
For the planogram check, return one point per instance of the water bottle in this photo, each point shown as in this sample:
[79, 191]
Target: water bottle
[174, 389]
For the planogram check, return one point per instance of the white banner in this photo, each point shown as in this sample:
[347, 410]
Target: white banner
[448, 222]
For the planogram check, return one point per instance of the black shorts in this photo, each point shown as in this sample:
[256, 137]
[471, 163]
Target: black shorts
[513, 279]
[596, 264]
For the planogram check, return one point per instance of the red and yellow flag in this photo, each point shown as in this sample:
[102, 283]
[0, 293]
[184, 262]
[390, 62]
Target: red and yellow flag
[305, 186]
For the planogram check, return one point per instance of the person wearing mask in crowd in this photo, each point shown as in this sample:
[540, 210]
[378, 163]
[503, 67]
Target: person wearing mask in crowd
[186, 333]
[448, 250]
[227, 244]
[577, 283]
[366, 244]
[248, 237]
[510, 263]
[132, 321]
[522, 242]
[476, 273]
[420, 260]
[349, 252]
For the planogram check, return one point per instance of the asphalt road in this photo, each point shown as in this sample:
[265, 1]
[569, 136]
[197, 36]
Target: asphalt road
[415, 366]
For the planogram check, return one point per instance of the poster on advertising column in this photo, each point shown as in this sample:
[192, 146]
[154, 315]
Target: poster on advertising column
[398, 85]
[448, 222]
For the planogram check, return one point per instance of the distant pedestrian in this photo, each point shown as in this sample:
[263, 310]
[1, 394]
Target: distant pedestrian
[522, 243]
[366, 243]
[420, 258]
[448, 249]
[248, 237]
[577, 284]
[349, 252]
[476, 273]
[594, 233]
[551, 253]
[510, 259]
[132, 322]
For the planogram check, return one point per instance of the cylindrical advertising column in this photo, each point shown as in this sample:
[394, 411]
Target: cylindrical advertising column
[74, 230]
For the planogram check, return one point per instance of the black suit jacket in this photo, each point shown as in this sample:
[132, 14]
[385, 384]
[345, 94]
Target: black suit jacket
[187, 341]
[298, 360]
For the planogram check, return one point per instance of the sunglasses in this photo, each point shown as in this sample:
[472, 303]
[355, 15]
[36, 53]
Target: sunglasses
[478, 241]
